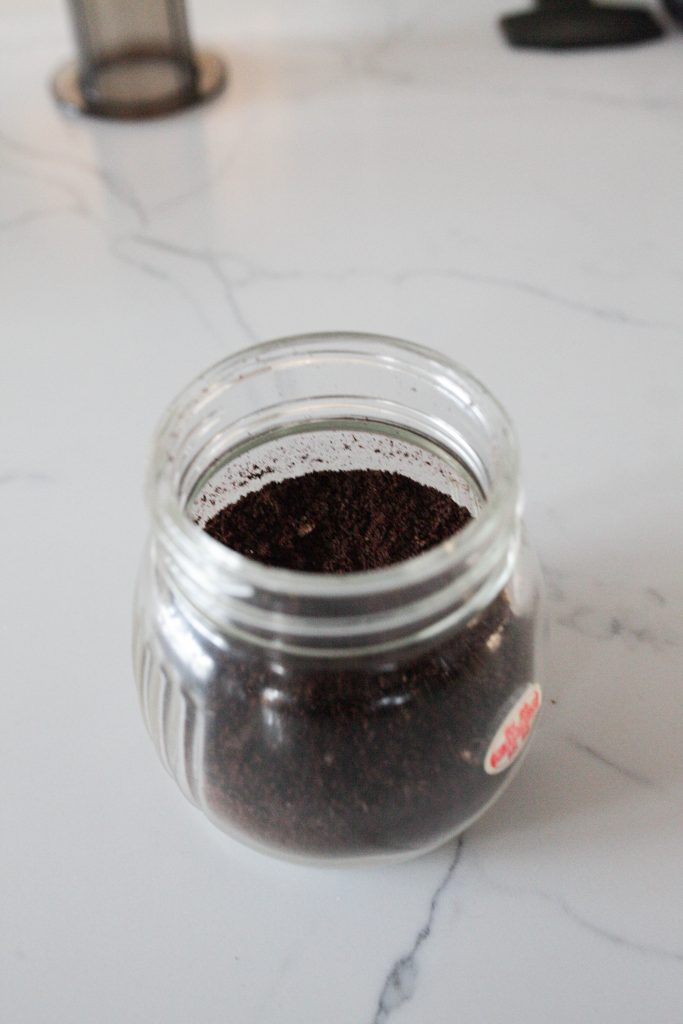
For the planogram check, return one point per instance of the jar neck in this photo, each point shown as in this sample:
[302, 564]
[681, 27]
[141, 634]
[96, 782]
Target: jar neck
[360, 613]
[326, 615]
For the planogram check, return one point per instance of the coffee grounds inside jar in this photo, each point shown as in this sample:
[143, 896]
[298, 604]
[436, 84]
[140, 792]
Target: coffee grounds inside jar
[338, 521]
[377, 754]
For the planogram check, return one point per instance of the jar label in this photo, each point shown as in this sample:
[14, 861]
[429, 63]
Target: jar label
[514, 731]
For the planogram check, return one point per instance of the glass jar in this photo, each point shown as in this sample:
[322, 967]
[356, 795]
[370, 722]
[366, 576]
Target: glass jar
[372, 715]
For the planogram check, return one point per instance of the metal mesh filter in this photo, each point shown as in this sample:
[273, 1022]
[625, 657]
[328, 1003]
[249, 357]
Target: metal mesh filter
[135, 60]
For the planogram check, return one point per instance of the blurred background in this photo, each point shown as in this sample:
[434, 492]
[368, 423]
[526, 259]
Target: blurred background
[388, 166]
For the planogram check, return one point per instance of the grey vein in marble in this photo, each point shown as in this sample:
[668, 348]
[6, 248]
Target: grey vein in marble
[488, 280]
[627, 773]
[168, 279]
[559, 902]
[599, 624]
[609, 620]
[647, 948]
[209, 179]
[171, 202]
[228, 289]
[401, 981]
[19, 478]
[656, 596]
[34, 216]
[76, 204]
[253, 274]
[537, 291]
[555, 581]
[211, 261]
[117, 187]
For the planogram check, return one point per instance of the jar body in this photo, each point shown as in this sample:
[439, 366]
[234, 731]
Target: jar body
[310, 740]
[374, 757]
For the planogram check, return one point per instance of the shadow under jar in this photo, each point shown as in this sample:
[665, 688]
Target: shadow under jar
[361, 716]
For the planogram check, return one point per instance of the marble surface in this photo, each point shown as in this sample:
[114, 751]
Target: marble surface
[376, 166]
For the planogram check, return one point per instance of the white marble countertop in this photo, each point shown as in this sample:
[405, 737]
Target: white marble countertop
[373, 167]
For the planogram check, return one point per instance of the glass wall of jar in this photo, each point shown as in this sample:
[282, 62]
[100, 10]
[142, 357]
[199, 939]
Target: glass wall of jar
[360, 716]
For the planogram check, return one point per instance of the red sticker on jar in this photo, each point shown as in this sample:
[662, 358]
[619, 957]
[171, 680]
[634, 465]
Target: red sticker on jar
[514, 731]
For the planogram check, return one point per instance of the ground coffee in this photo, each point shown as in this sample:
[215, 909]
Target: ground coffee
[376, 755]
[338, 521]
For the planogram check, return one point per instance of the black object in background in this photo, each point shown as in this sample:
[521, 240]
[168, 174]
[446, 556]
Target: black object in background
[565, 24]
[675, 9]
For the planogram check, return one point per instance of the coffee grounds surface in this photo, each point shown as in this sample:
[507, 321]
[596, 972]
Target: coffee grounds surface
[338, 521]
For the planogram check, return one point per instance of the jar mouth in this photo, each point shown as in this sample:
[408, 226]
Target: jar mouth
[196, 417]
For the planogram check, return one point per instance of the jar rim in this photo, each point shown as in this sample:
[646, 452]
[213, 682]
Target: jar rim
[501, 504]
